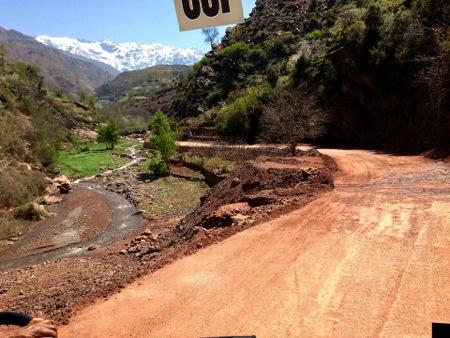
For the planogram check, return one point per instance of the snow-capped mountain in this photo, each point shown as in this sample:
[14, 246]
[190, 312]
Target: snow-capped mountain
[124, 56]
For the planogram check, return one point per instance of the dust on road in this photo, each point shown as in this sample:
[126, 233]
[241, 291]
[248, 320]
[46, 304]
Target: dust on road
[370, 259]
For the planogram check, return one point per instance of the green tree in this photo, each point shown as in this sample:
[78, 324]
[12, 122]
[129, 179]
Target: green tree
[163, 138]
[109, 133]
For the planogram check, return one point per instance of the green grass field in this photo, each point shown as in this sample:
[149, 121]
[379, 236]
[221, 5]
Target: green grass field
[92, 159]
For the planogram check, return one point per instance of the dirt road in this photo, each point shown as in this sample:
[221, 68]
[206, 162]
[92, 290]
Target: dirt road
[370, 259]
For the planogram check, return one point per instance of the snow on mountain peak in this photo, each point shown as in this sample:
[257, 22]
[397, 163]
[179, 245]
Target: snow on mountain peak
[124, 56]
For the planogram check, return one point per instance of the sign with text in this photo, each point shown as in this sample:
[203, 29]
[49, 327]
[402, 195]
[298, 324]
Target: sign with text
[195, 14]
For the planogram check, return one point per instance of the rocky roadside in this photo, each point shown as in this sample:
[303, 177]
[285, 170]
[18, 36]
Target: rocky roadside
[259, 191]
[262, 189]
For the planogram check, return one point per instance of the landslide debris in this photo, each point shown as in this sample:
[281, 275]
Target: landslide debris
[260, 190]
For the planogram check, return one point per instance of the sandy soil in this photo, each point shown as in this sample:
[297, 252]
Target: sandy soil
[370, 259]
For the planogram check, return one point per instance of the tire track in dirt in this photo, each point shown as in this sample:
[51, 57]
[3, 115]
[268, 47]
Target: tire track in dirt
[370, 259]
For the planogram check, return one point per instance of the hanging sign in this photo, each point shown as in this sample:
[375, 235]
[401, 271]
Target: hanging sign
[195, 14]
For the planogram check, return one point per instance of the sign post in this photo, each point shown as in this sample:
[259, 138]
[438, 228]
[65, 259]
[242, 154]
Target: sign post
[195, 14]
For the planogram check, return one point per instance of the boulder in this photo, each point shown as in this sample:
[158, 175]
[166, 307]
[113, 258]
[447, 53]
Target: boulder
[50, 200]
[64, 184]
[52, 189]
[40, 210]
[217, 221]
[226, 215]
[22, 166]
[233, 209]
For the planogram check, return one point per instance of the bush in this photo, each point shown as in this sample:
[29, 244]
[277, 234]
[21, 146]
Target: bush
[350, 28]
[17, 188]
[28, 212]
[156, 166]
[316, 34]
[234, 119]
[282, 46]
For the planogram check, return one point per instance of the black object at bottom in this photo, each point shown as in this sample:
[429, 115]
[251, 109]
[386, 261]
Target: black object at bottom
[16, 319]
[233, 337]
[441, 330]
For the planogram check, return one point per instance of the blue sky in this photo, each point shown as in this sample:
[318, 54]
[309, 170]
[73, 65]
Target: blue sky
[118, 20]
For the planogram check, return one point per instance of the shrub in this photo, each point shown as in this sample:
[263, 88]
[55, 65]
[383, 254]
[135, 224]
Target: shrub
[28, 212]
[282, 46]
[350, 28]
[17, 188]
[316, 34]
[156, 166]
[234, 119]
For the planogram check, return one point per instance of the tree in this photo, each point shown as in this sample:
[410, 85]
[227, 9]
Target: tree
[292, 118]
[109, 133]
[162, 137]
[211, 34]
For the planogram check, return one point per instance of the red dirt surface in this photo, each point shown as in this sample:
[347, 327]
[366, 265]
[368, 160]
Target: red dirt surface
[57, 288]
[370, 259]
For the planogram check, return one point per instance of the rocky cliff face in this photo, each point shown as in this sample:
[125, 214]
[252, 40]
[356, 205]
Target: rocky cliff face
[269, 18]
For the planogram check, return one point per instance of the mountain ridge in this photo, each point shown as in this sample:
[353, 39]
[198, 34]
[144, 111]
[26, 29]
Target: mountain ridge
[60, 69]
[124, 56]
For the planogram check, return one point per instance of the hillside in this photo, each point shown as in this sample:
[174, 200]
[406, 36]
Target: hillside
[134, 96]
[139, 82]
[378, 70]
[60, 69]
[34, 121]
[124, 56]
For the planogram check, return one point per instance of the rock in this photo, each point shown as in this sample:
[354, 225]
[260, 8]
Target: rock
[123, 252]
[147, 232]
[22, 166]
[50, 200]
[52, 189]
[258, 201]
[151, 250]
[14, 239]
[231, 209]
[235, 182]
[133, 249]
[87, 134]
[218, 221]
[39, 210]
[239, 218]
[88, 179]
[127, 156]
[64, 184]
[92, 247]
